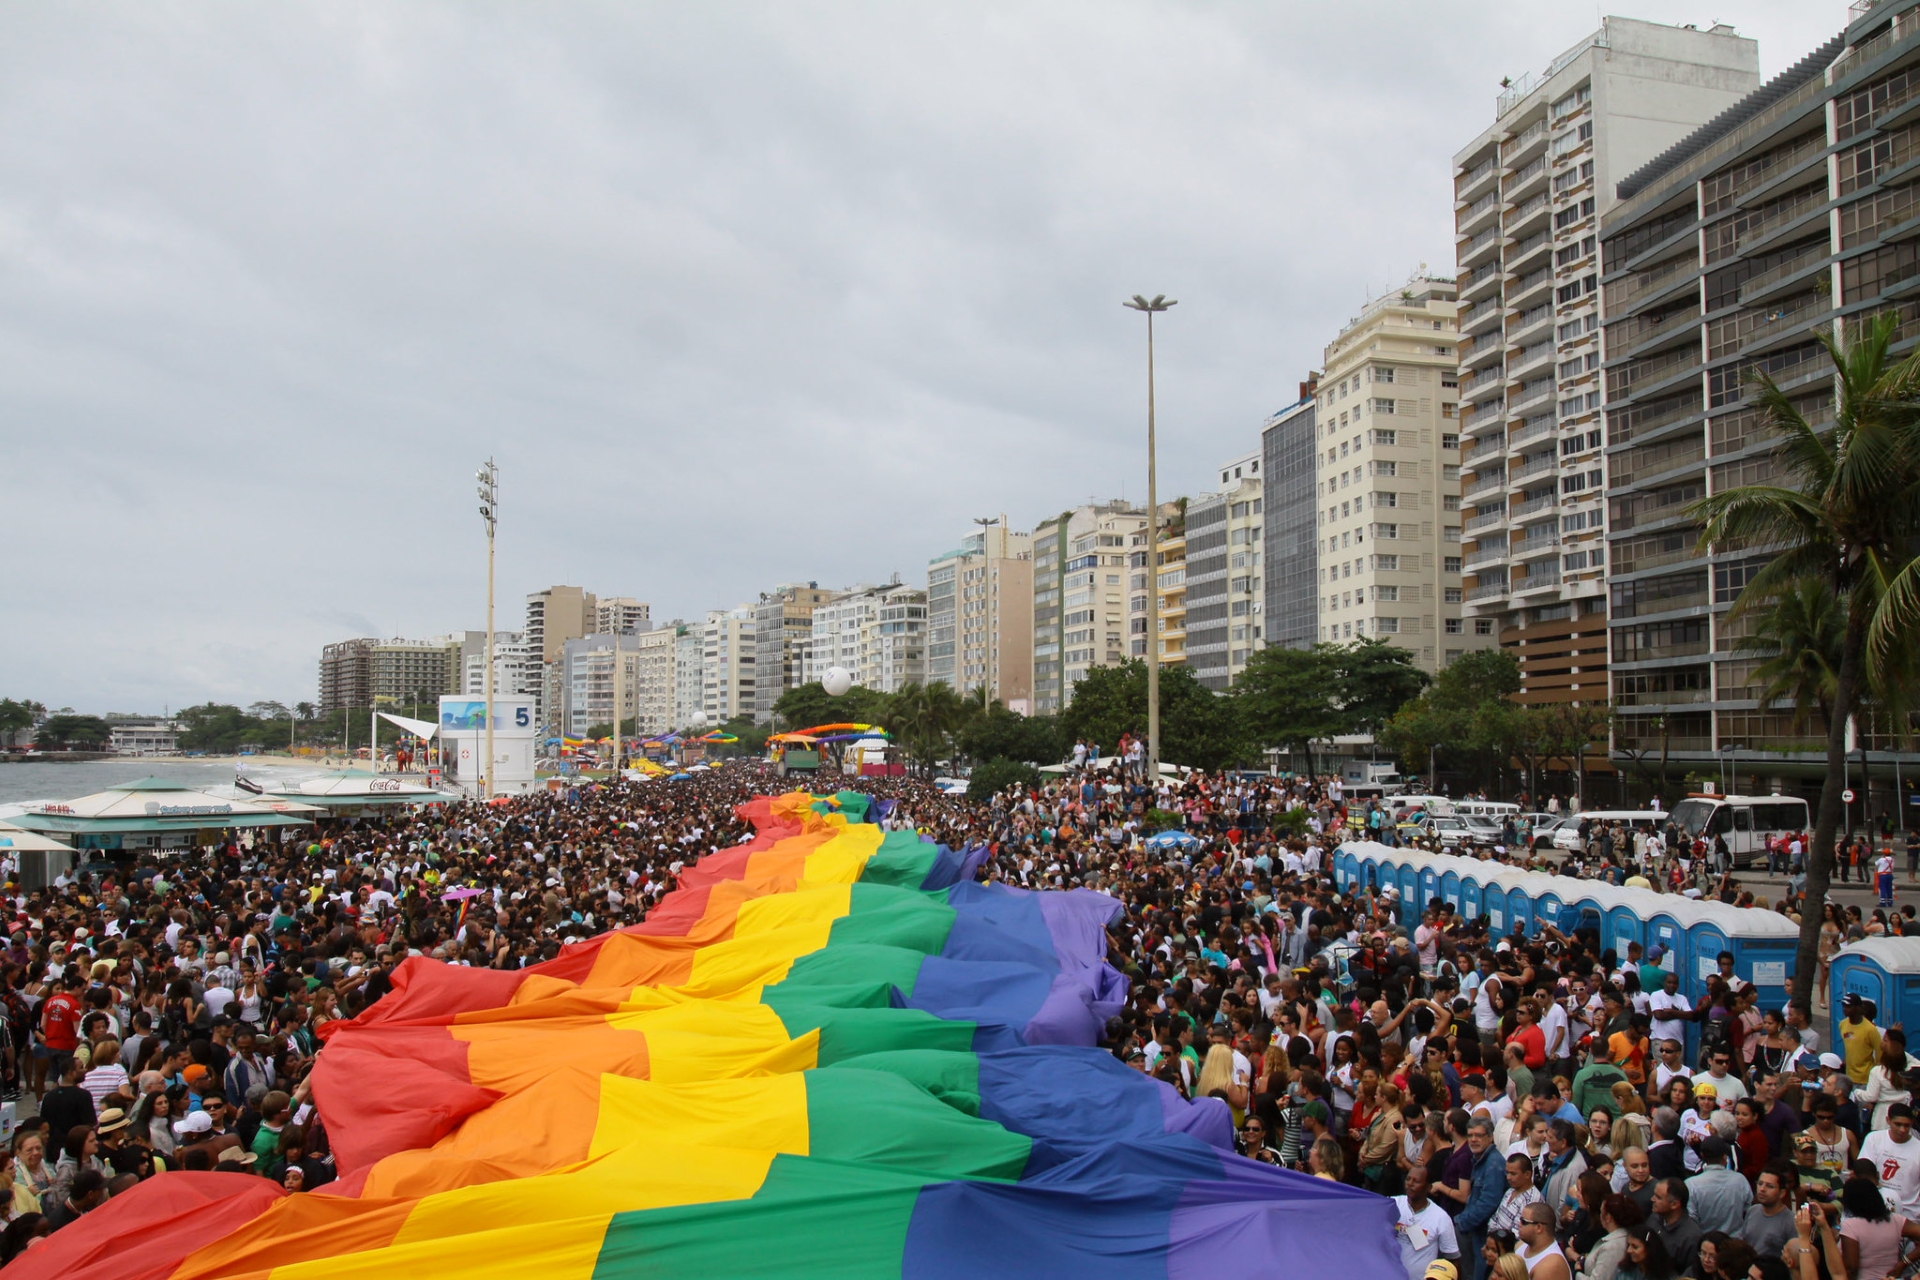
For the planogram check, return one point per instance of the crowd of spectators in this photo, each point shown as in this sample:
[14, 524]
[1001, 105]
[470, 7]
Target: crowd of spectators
[1537, 1105]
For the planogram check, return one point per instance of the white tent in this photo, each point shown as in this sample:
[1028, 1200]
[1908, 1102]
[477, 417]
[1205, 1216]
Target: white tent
[19, 840]
[418, 728]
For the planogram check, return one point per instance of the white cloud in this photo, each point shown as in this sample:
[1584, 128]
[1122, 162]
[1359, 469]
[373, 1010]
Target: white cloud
[736, 294]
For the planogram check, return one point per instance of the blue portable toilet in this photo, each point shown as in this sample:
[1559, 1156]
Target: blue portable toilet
[1547, 908]
[1429, 884]
[1409, 874]
[1883, 970]
[1584, 912]
[1471, 896]
[1762, 942]
[1520, 909]
[1624, 925]
[1450, 887]
[1343, 863]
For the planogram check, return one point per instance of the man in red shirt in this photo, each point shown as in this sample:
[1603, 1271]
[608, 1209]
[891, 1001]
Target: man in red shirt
[60, 1024]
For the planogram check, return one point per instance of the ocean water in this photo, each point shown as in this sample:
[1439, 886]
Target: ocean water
[51, 780]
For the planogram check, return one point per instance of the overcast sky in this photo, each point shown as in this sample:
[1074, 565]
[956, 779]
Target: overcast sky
[735, 294]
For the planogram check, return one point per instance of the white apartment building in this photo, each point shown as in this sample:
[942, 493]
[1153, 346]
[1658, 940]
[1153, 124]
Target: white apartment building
[145, 737]
[1387, 478]
[654, 680]
[1528, 195]
[516, 667]
[1089, 589]
[1225, 577]
[588, 673]
[878, 634]
[622, 615]
[727, 664]
[689, 699]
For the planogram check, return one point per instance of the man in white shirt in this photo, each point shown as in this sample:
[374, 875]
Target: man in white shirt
[1727, 1088]
[1557, 1027]
[1424, 1228]
[1896, 1159]
[1670, 1011]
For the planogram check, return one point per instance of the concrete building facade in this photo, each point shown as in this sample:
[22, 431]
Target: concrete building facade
[1793, 214]
[655, 652]
[588, 674]
[346, 675]
[1226, 585]
[1528, 195]
[1387, 479]
[877, 633]
[1082, 594]
[980, 615]
[727, 664]
[689, 696]
[782, 628]
[557, 615]
[622, 615]
[1290, 530]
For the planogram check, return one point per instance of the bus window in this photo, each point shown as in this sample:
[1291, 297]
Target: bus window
[1723, 820]
[1743, 819]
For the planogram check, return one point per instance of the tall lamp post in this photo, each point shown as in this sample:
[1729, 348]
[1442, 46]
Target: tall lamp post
[1159, 302]
[489, 478]
[986, 560]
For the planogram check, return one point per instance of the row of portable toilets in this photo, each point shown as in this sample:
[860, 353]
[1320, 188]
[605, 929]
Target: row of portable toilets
[1692, 933]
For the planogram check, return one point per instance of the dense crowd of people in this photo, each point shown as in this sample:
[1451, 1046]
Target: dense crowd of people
[1536, 1105]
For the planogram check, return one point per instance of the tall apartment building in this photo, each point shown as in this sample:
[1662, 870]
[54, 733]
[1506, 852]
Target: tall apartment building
[1290, 532]
[689, 697]
[782, 627]
[1387, 478]
[403, 670]
[516, 667]
[1083, 586]
[980, 615]
[587, 664]
[877, 634]
[1171, 578]
[621, 615]
[346, 675]
[557, 615]
[1790, 215]
[1226, 586]
[654, 682]
[727, 664]
[1528, 196]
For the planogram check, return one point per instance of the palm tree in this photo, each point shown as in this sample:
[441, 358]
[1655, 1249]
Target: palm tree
[1802, 629]
[1845, 515]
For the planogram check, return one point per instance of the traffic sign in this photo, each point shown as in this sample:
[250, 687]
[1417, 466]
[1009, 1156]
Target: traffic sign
[1846, 797]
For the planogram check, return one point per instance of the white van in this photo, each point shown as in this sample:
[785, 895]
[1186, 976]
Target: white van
[1745, 821]
[1498, 810]
[1566, 837]
[1403, 805]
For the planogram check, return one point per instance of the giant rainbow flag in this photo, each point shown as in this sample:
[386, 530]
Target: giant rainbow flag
[829, 1053]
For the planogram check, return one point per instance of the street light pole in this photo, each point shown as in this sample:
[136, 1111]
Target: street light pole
[489, 478]
[1149, 306]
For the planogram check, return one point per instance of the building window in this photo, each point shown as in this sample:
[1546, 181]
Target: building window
[1386, 626]
[1385, 499]
[1384, 437]
[1383, 406]
[1448, 440]
[1383, 373]
[1453, 626]
[1450, 564]
[1386, 531]
[1386, 564]
[1483, 626]
[1452, 595]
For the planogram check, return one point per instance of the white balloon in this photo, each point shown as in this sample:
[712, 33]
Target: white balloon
[698, 720]
[837, 681]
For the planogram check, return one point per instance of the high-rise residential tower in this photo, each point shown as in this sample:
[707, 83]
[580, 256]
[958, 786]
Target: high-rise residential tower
[1528, 195]
[1084, 583]
[1290, 534]
[1789, 217]
[1387, 478]
[1226, 585]
[782, 628]
[980, 615]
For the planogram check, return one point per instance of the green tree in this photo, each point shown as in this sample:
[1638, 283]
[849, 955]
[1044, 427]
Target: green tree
[1847, 514]
[807, 705]
[997, 775]
[73, 731]
[922, 717]
[1289, 698]
[19, 714]
[1198, 728]
[1004, 734]
[1374, 679]
[1803, 631]
[1465, 714]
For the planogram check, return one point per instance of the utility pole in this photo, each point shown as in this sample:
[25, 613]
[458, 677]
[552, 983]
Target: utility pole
[986, 561]
[489, 478]
[1149, 306]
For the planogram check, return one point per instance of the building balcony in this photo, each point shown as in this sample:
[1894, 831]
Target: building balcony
[1535, 582]
[1491, 591]
[1483, 247]
[1480, 484]
[1637, 288]
[1540, 465]
[1478, 216]
[1523, 146]
[1525, 509]
[1531, 430]
[1475, 182]
[1487, 520]
[1487, 553]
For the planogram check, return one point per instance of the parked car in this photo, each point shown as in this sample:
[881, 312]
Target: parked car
[1444, 830]
[1482, 831]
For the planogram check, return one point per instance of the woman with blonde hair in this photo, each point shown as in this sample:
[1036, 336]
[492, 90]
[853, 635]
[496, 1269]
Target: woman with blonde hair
[1216, 1081]
[1325, 1160]
[1511, 1266]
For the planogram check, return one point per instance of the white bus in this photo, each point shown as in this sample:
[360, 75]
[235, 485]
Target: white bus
[1498, 810]
[1745, 821]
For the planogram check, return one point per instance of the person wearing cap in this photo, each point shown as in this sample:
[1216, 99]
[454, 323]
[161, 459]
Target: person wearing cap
[1859, 1038]
[1816, 1182]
